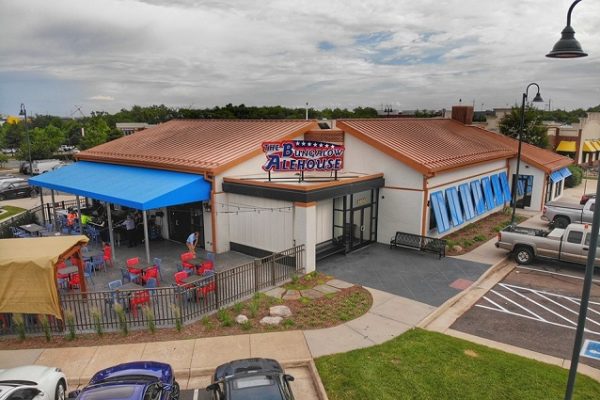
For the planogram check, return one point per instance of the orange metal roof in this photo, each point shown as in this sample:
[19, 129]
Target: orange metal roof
[544, 159]
[196, 145]
[428, 145]
[432, 145]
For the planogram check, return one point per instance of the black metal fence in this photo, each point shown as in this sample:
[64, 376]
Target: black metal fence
[166, 306]
[38, 214]
[423, 243]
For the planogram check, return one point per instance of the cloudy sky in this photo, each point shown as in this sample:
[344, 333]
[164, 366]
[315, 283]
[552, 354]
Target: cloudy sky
[106, 55]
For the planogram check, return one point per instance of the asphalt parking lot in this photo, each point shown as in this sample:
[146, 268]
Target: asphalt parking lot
[536, 308]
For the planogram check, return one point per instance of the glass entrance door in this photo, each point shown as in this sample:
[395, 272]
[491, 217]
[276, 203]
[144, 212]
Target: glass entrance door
[355, 219]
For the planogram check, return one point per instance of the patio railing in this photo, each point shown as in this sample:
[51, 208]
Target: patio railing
[91, 310]
[37, 214]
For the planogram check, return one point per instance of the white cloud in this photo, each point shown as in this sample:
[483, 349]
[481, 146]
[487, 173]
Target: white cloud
[102, 98]
[209, 53]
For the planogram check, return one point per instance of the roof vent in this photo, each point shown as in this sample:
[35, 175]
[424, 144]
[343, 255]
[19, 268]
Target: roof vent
[324, 125]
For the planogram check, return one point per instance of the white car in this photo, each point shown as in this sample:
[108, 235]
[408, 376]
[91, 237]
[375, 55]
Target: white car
[33, 382]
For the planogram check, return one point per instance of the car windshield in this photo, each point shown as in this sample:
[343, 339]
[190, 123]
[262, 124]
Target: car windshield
[113, 393]
[259, 387]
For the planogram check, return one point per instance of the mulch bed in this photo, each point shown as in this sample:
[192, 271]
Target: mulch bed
[327, 311]
[474, 235]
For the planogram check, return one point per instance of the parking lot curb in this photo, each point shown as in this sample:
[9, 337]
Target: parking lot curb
[445, 315]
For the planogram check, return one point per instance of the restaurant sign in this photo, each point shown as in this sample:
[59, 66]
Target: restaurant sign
[303, 155]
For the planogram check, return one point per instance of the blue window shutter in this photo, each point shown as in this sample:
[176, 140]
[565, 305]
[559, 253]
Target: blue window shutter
[565, 172]
[487, 191]
[467, 201]
[478, 197]
[439, 209]
[498, 196]
[521, 188]
[454, 205]
[505, 187]
[556, 176]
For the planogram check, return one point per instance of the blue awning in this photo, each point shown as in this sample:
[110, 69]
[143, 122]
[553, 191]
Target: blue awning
[135, 187]
[556, 176]
[565, 172]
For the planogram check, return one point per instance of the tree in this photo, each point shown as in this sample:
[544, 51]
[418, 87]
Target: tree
[44, 143]
[534, 132]
[96, 133]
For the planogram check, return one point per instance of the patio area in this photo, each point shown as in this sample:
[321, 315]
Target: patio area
[166, 250]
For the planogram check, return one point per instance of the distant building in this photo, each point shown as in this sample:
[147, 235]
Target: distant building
[131, 127]
[580, 141]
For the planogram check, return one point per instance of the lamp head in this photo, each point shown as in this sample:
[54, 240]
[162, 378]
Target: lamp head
[538, 98]
[567, 46]
[23, 112]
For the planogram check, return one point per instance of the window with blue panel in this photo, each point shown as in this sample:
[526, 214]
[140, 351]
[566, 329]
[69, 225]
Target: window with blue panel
[505, 187]
[456, 212]
[467, 201]
[488, 194]
[438, 203]
[478, 197]
[498, 196]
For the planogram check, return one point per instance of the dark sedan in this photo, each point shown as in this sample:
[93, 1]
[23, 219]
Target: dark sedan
[139, 380]
[12, 189]
[251, 379]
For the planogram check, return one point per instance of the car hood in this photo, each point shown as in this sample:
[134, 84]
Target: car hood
[113, 391]
[33, 373]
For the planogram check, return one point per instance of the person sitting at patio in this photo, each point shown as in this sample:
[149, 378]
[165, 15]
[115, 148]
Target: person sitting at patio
[192, 242]
[71, 217]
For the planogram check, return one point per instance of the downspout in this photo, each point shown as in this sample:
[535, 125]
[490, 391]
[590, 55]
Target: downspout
[213, 212]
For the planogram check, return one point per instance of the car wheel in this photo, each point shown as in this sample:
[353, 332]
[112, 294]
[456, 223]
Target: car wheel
[175, 391]
[561, 222]
[60, 392]
[524, 255]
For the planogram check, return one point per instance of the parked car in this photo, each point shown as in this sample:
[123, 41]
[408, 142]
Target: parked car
[15, 188]
[570, 244]
[586, 197]
[251, 378]
[139, 380]
[33, 382]
[24, 168]
[42, 166]
[561, 214]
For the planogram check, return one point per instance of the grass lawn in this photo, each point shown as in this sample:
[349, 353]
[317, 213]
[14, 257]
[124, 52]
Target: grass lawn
[428, 365]
[10, 211]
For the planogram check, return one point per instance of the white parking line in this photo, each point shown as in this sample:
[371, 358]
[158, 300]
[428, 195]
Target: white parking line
[195, 394]
[523, 294]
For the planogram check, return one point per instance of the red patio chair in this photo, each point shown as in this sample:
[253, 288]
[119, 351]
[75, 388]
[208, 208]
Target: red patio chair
[135, 274]
[206, 266]
[139, 298]
[185, 257]
[149, 273]
[179, 277]
[107, 250]
[210, 287]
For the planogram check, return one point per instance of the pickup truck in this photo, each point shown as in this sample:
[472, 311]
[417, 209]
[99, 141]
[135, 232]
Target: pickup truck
[570, 244]
[561, 214]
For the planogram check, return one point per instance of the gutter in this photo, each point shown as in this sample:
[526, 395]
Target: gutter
[213, 212]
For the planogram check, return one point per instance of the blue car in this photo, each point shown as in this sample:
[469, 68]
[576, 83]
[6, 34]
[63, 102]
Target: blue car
[139, 380]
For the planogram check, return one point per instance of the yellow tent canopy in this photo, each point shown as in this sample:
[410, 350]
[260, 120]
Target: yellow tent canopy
[27, 273]
[567, 146]
[596, 144]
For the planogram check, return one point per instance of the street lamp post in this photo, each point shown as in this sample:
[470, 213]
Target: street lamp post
[536, 99]
[23, 112]
[569, 47]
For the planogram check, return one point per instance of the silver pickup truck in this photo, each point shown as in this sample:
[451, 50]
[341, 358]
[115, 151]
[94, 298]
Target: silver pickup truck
[561, 214]
[570, 244]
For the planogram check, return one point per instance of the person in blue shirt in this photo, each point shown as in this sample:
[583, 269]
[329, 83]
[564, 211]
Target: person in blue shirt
[192, 241]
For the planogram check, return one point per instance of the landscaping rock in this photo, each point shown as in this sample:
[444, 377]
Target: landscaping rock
[280, 311]
[336, 283]
[241, 319]
[311, 294]
[271, 321]
[292, 295]
[457, 248]
[326, 289]
[276, 292]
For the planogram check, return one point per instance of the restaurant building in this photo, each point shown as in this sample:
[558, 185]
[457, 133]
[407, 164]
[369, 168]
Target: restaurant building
[262, 186]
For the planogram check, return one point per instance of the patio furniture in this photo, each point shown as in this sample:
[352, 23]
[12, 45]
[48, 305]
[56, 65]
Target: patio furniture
[157, 261]
[113, 285]
[134, 273]
[139, 299]
[107, 255]
[18, 233]
[209, 285]
[205, 266]
[87, 274]
[98, 262]
[152, 283]
[423, 243]
[125, 275]
[149, 273]
[185, 260]
[32, 229]
[180, 278]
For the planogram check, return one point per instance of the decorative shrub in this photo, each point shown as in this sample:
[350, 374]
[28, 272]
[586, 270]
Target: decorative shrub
[43, 319]
[70, 320]
[19, 321]
[576, 176]
[177, 314]
[122, 319]
[97, 316]
[149, 315]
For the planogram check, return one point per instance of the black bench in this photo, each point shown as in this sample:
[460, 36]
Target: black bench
[423, 243]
